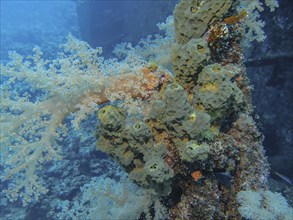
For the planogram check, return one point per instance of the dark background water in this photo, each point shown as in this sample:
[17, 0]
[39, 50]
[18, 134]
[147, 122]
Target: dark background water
[272, 78]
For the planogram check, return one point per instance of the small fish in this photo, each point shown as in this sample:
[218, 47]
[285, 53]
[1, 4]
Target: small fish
[285, 178]
[224, 178]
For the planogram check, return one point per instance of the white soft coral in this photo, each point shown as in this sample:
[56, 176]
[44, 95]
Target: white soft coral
[37, 95]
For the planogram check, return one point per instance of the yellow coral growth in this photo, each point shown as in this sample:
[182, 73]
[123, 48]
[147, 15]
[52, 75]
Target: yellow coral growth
[211, 87]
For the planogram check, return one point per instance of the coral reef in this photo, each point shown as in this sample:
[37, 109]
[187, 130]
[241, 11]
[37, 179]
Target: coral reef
[30, 129]
[189, 140]
[188, 59]
[199, 122]
[263, 205]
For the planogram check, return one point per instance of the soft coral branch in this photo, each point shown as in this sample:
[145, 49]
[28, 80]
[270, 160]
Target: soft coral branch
[76, 83]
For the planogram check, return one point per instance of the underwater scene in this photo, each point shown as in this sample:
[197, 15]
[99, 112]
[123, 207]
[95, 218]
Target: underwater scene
[146, 110]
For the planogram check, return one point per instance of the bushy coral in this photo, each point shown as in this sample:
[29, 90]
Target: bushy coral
[153, 48]
[263, 205]
[180, 125]
[106, 198]
[31, 122]
[253, 25]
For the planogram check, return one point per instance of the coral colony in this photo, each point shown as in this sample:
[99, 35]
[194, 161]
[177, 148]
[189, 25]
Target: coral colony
[175, 113]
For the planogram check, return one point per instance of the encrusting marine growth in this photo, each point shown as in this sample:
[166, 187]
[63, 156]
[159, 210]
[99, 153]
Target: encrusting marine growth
[193, 144]
[200, 123]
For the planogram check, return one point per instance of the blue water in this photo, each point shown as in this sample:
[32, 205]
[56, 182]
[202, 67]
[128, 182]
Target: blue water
[46, 24]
